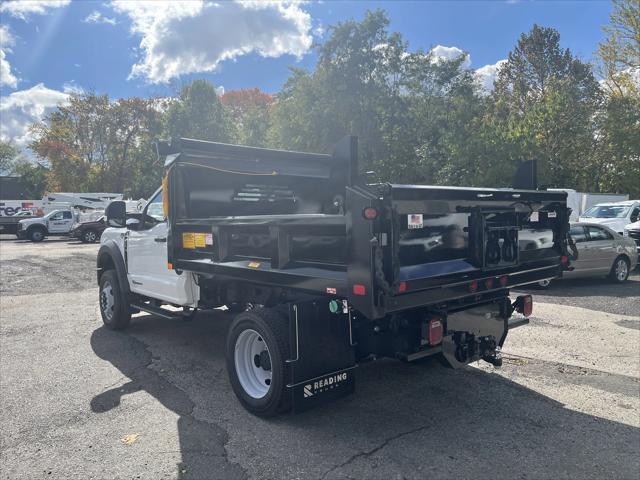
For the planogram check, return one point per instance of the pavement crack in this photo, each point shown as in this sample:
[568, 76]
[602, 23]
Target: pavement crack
[368, 453]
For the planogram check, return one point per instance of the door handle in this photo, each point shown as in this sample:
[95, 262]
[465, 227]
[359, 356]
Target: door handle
[160, 239]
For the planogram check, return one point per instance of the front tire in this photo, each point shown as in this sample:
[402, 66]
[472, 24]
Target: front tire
[114, 309]
[257, 348]
[36, 234]
[620, 270]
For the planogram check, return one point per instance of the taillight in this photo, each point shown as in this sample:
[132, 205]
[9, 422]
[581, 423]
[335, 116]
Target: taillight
[370, 213]
[488, 283]
[564, 260]
[359, 289]
[436, 330]
[524, 305]
[504, 280]
[473, 286]
[402, 287]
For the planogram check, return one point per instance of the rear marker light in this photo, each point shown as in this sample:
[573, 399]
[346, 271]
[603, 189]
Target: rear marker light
[564, 259]
[524, 305]
[370, 213]
[359, 290]
[436, 329]
[488, 283]
[473, 286]
[402, 287]
[504, 280]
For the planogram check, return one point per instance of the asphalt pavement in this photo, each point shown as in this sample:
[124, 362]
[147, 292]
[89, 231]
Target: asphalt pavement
[153, 402]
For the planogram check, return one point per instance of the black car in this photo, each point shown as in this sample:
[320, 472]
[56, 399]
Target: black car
[89, 232]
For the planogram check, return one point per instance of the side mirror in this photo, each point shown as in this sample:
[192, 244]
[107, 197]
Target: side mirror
[116, 214]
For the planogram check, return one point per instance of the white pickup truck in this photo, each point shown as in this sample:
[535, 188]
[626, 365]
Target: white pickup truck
[58, 222]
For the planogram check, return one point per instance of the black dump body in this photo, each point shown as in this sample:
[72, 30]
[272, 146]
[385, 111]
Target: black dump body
[296, 222]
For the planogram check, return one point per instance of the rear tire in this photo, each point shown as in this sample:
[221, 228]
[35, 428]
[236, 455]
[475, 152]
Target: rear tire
[36, 234]
[620, 270]
[114, 308]
[257, 348]
[90, 236]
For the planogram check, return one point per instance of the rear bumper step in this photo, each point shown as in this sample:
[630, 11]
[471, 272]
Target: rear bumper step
[517, 322]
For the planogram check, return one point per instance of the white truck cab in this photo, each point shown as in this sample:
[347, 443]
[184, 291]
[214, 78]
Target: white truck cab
[144, 239]
[57, 222]
[616, 215]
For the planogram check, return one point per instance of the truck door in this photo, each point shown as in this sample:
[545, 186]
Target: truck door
[60, 222]
[146, 258]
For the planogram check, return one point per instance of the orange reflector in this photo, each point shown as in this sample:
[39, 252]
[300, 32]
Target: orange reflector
[170, 266]
[359, 289]
[165, 196]
[473, 286]
[402, 287]
[436, 330]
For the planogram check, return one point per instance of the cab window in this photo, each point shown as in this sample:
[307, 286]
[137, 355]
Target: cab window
[596, 233]
[578, 234]
[635, 215]
[66, 215]
[57, 216]
[154, 208]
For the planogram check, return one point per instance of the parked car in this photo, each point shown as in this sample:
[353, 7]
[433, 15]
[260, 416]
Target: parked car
[614, 215]
[88, 232]
[633, 232]
[601, 252]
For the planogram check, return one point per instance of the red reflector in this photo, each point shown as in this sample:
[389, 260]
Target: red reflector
[488, 283]
[527, 305]
[504, 280]
[473, 286]
[402, 287]
[359, 290]
[370, 213]
[436, 329]
[564, 259]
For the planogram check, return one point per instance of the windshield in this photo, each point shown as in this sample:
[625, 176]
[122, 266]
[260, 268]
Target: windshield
[607, 211]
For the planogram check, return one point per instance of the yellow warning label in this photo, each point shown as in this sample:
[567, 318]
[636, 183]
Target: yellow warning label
[188, 240]
[200, 240]
[254, 264]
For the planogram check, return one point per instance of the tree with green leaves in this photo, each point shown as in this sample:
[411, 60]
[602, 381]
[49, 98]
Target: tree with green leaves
[198, 113]
[544, 104]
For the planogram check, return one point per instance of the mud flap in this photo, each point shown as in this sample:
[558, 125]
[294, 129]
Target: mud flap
[323, 360]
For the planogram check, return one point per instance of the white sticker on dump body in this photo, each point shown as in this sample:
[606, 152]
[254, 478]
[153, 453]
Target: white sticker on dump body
[414, 220]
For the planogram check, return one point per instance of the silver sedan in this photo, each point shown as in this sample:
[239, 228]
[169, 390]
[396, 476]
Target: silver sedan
[601, 252]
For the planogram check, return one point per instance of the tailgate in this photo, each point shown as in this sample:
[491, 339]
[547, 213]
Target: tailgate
[441, 235]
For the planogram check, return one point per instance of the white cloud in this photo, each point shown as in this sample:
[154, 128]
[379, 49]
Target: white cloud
[23, 8]
[22, 108]
[190, 37]
[7, 78]
[97, 17]
[441, 52]
[487, 74]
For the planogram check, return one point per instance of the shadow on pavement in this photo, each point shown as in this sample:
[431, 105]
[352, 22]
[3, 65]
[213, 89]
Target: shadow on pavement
[403, 421]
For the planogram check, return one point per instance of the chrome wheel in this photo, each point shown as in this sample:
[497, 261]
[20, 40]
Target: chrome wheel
[253, 363]
[107, 300]
[621, 270]
[544, 283]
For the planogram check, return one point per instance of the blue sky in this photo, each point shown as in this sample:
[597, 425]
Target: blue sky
[128, 48]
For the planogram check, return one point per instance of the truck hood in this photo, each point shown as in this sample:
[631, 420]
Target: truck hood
[32, 221]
